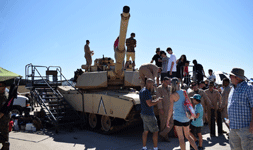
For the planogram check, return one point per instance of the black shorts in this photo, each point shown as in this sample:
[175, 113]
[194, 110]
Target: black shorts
[195, 130]
[177, 123]
[174, 74]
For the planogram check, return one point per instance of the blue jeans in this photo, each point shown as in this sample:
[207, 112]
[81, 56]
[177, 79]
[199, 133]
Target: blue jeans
[241, 139]
[149, 123]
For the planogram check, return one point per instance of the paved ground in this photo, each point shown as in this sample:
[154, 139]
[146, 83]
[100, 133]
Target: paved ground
[129, 139]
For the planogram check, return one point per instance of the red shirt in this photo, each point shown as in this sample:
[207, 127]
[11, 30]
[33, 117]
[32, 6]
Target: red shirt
[116, 43]
[10, 125]
[186, 70]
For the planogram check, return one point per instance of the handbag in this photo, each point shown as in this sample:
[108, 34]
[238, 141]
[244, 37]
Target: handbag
[190, 112]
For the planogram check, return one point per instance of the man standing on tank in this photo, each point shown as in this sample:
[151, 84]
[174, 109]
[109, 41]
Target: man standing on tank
[158, 61]
[172, 69]
[88, 53]
[4, 119]
[198, 70]
[165, 61]
[148, 115]
[163, 107]
[131, 44]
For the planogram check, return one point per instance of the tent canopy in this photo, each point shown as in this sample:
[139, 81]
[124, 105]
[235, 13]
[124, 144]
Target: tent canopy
[6, 74]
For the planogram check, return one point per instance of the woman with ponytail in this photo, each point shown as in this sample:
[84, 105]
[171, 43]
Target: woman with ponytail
[181, 121]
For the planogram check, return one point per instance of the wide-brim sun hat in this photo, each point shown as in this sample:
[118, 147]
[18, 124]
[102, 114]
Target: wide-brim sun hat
[238, 72]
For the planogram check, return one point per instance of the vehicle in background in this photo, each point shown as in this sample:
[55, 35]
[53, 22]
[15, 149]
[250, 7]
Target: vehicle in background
[20, 104]
[220, 76]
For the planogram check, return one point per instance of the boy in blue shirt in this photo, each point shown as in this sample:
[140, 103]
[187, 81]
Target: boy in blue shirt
[197, 123]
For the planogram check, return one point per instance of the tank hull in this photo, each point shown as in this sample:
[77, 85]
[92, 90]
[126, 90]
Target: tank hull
[115, 104]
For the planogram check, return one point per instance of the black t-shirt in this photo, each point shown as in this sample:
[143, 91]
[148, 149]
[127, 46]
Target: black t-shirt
[198, 68]
[155, 58]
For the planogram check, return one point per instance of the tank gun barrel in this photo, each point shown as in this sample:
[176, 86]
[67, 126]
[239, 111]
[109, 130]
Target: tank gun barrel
[120, 51]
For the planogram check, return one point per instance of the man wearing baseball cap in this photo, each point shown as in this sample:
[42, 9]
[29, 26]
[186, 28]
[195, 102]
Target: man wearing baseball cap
[148, 115]
[240, 105]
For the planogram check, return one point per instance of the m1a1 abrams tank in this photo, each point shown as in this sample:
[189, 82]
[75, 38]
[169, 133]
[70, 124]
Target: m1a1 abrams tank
[105, 97]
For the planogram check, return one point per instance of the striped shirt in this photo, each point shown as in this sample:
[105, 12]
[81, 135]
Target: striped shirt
[240, 104]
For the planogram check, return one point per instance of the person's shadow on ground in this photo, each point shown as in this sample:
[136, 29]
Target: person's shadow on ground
[211, 141]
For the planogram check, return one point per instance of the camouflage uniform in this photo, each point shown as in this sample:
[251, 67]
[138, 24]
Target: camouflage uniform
[164, 105]
[130, 43]
[4, 124]
[205, 101]
[87, 55]
[224, 103]
[147, 71]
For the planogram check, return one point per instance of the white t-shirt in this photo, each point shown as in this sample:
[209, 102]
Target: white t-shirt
[211, 77]
[172, 59]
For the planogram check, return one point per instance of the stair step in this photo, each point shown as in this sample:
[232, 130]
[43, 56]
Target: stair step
[55, 105]
[50, 97]
[60, 108]
[60, 113]
[57, 101]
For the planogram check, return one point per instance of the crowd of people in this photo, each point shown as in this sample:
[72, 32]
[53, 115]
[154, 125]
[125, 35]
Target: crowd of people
[233, 100]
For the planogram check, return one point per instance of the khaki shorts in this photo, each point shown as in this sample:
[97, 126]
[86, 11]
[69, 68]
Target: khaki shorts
[150, 123]
[240, 139]
[130, 54]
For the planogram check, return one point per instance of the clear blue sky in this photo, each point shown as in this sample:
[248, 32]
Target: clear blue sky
[218, 34]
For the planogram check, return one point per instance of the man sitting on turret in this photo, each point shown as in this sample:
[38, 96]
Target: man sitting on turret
[131, 44]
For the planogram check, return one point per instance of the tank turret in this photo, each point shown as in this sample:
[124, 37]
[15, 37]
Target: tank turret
[105, 72]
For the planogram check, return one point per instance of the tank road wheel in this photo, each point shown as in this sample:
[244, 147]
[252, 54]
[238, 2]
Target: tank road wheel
[106, 123]
[93, 121]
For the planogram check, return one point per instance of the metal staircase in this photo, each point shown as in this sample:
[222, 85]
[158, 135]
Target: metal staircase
[44, 91]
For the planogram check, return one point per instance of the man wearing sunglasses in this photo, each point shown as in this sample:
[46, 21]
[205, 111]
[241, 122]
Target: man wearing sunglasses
[240, 109]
